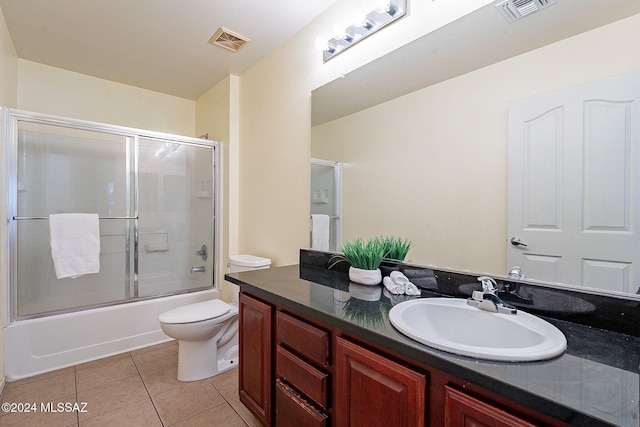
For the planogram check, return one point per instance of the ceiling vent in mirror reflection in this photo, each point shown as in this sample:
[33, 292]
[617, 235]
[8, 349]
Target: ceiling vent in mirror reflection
[513, 10]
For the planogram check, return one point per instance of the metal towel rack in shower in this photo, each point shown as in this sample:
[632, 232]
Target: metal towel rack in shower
[20, 218]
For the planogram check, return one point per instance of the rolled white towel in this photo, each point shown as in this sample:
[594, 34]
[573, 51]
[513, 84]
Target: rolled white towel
[399, 278]
[393, 287]
[411, 289]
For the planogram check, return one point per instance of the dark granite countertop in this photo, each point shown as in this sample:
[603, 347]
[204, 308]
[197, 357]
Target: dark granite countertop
[595, 382]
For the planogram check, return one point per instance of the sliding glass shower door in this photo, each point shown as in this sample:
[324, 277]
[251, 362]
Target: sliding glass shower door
[175, 228]
[154, 196]
[62, 170]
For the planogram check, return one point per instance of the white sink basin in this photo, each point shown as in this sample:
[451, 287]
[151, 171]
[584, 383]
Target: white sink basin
[449, 324]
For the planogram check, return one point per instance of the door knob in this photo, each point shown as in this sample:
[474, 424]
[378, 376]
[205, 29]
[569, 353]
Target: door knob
[515, 241]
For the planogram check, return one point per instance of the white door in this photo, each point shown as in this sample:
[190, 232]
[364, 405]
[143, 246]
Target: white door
[574, 187]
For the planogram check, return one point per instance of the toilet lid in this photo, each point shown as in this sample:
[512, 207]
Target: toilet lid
[196, 312]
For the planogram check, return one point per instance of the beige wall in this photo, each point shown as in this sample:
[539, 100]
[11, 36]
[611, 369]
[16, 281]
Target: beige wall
[8, 67]
[50, 90]
[217, 116]
[432, 165]
[275, 131]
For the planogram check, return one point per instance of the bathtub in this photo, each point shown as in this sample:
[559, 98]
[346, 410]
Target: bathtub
[35, 346]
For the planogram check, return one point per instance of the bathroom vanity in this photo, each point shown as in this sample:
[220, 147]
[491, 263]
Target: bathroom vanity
[316, 350]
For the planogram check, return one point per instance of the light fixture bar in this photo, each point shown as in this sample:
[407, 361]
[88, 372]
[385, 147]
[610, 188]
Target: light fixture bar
[374, 21]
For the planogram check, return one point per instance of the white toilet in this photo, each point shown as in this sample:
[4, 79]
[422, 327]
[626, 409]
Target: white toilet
[207, 332]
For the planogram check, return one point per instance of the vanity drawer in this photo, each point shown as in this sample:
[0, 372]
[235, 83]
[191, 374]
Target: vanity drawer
[292, 410]
[306, 340]
[303, 376]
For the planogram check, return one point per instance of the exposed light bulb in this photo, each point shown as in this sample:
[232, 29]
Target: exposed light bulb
[387, 12]
[383, 6]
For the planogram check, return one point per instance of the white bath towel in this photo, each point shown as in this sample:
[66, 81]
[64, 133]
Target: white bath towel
[393, 287]
[320, 232]
[411, 289]
[75, 244]
[399, 278]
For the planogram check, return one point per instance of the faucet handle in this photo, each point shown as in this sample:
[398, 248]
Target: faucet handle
[203, 252]
[516, 272]
[488, 284]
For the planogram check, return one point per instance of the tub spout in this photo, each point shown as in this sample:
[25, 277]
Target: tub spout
[197, 269]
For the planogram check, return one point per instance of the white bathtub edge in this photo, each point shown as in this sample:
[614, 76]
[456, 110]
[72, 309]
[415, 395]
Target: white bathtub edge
[36, 346]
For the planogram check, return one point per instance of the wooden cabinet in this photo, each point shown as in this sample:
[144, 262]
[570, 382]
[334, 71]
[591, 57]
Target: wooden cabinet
[462, 410]
[302, 380]
[293, 410]
[296, 371]
[255, 380]
[310, 342]
[373, 390]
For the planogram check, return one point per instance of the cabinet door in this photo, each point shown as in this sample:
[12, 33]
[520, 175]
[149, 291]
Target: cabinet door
[372, 390]
[255, 357]
[462, 410]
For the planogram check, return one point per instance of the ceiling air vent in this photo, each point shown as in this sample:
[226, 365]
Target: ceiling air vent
[228, 40]
[516, 9]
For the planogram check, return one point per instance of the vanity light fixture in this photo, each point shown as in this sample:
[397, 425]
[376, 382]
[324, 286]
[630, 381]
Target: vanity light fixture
[391, 11]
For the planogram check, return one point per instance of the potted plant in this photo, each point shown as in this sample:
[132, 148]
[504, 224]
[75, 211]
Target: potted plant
[396, 248]
[364, 258]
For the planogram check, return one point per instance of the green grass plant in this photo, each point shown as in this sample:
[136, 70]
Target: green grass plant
[366, 255]
[396, 248]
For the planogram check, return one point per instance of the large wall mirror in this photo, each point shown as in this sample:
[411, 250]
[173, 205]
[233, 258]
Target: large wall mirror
[423, 132]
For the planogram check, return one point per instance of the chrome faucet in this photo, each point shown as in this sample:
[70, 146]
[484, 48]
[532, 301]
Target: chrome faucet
[486, 299]
[197, 269]
[489, 285]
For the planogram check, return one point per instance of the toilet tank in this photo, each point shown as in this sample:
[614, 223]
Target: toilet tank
[245, 262]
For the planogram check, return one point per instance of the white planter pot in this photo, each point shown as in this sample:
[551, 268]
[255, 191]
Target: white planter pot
[365, 293]
[365, 277]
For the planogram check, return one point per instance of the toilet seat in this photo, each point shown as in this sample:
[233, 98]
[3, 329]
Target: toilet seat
[197, 312]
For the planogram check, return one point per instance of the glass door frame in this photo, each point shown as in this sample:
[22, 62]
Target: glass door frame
[337, 191]
[9, 119]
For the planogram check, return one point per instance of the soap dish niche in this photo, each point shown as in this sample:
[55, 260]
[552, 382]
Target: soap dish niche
[204, 192]
[320, 197]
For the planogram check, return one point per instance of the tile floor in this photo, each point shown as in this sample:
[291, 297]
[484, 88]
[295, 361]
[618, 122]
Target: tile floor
[138, 388]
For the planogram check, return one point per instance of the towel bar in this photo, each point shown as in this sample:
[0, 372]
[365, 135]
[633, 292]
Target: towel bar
[18, 218]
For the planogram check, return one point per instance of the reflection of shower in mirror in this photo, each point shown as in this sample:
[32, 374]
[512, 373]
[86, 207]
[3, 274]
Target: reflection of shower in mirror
[326, 199]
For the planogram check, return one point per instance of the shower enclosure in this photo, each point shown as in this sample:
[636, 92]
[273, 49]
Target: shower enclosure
[326, 197]
[154, 194]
